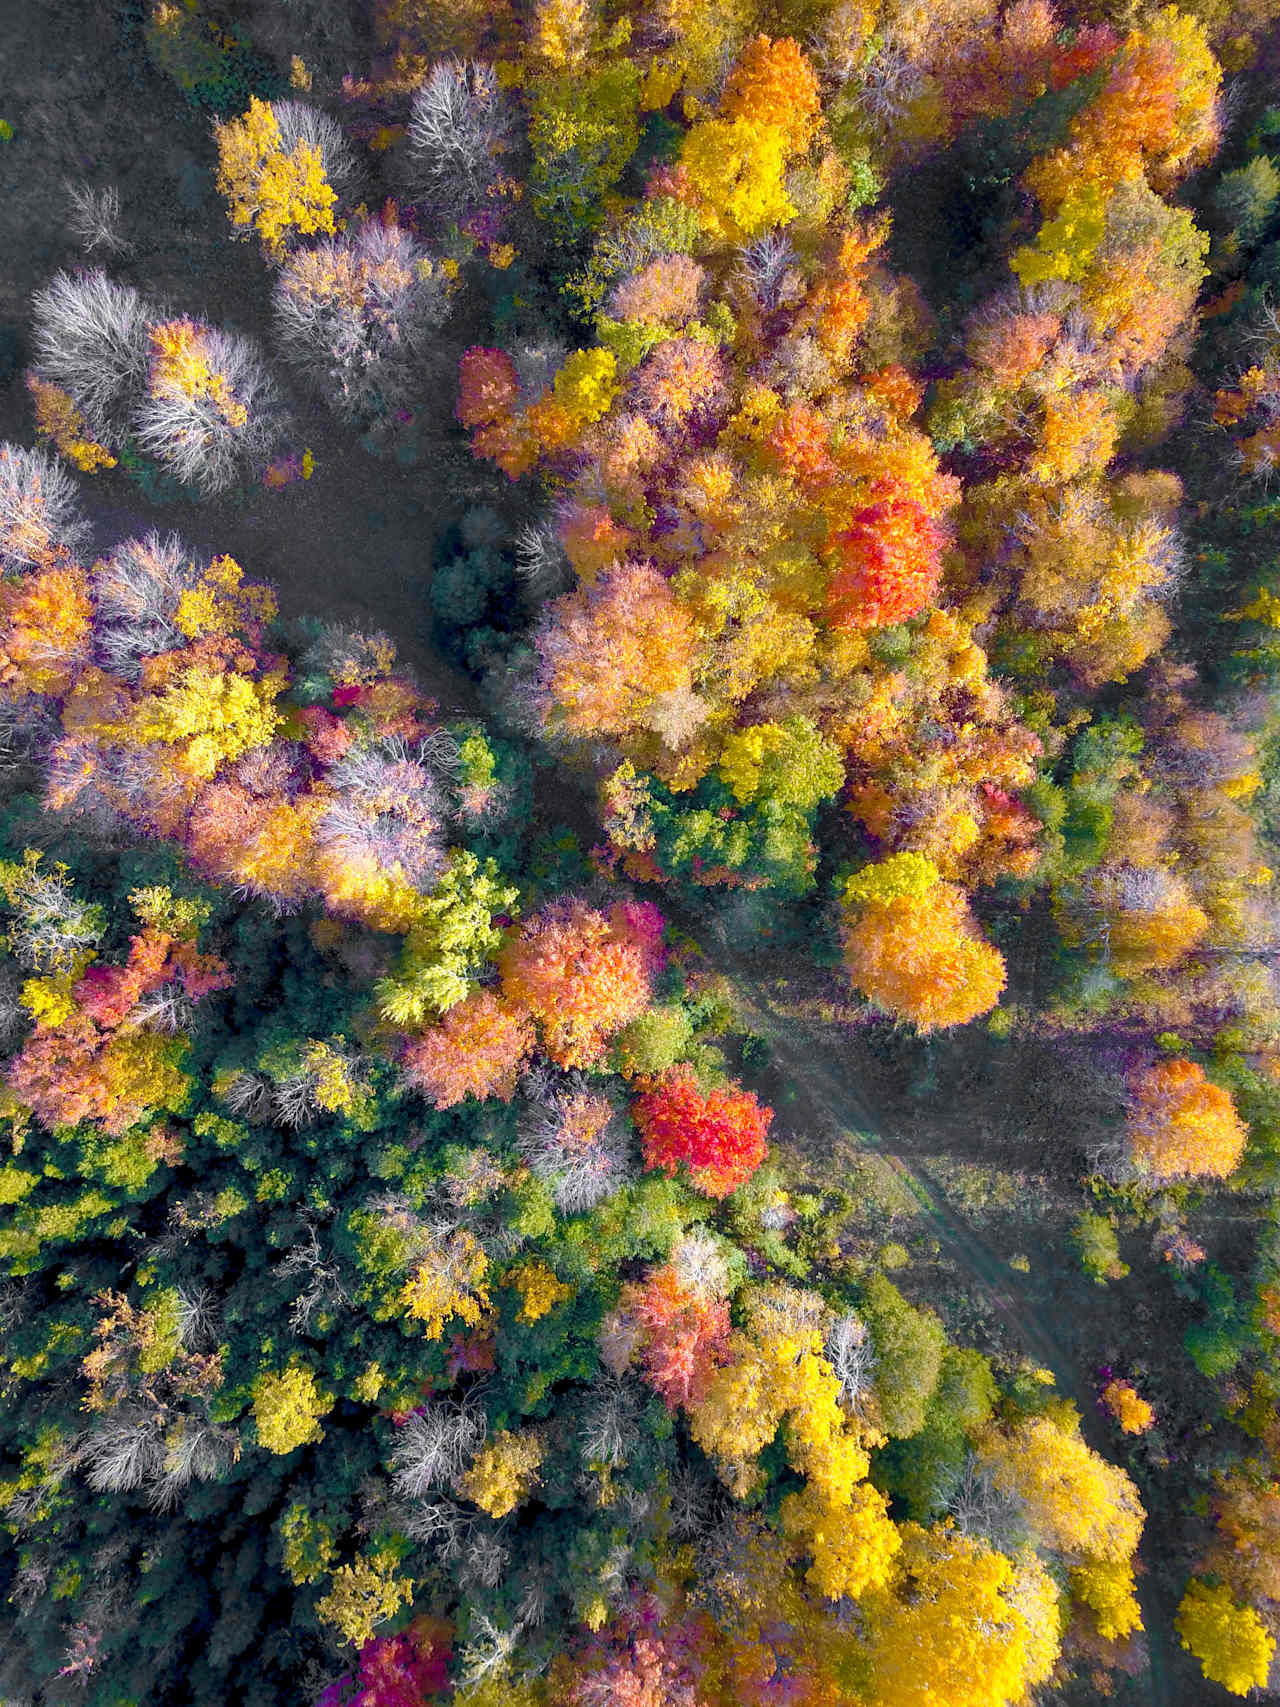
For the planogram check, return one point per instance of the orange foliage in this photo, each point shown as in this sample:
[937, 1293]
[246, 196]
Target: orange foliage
[610, 649]
[1127, 1406]
[922, 958]
[477, 1050]
[488, 389]
[45, 626]
[682, 1333]
[258, 841]
[773, 83]
[682, 378]
[1180, 1126]
[581, 976]
[890, 565]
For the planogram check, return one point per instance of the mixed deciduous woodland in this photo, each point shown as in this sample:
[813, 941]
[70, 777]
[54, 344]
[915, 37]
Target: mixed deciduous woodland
[639, 829]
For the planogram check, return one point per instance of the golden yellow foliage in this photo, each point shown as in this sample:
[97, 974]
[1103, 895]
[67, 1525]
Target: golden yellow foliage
[1075, 1502]
[960, 1629]
[451, 1281]
[274, 193]
[851, 1544]
[362, 1596]
[59, 420]
[540, 1291]
[1105, 1586]
[1233, 1645]
[504, 1472]
[287, 1409]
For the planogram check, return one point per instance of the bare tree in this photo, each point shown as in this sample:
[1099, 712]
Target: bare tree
[209, 436]
[93, 217]
[91, 339]
[851, 1353]
[433, 1447]
[198, 1313]
[610, 1422]
[323, 1273]
[249, 1095]
[194, 1450]
[125, 1450]
[355, 317]
[458, 125]
[136, 590]
[767, 266]
[541, 563]
[583, 1159]
[39, 509]
[981, 1509]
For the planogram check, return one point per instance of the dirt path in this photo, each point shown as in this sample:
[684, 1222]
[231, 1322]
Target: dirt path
[833, 1110]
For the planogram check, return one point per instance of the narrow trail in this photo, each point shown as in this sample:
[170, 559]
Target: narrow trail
[833, 1108]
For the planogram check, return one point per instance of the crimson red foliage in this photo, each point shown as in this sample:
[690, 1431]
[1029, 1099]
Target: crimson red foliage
[720, 1134]
[891, 563]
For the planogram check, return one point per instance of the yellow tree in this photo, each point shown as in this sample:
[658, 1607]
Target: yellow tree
[504, 1472]
[1074, 1501]
[959, 1625]
[1231, 1642]
[912, 945]
[278, 193]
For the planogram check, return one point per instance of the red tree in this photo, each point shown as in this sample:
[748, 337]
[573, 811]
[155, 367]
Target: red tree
[890, 565]
[720, 1134]
[682, 1333]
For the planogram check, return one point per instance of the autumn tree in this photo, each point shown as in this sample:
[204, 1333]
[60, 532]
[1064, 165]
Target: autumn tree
[610, 650]
[1233, 1645]
[1180, 1126]
[965, 1624]
[680, 1327]
[580, 975]
[46, 622]
[280, 191]
[287, 1408]
[1075, 1502]
[1132, 1412]
[719, 1134]
[477, 1050]
[912, 946]
[888, 565]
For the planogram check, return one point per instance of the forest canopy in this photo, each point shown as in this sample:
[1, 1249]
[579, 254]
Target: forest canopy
[675, 1103]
